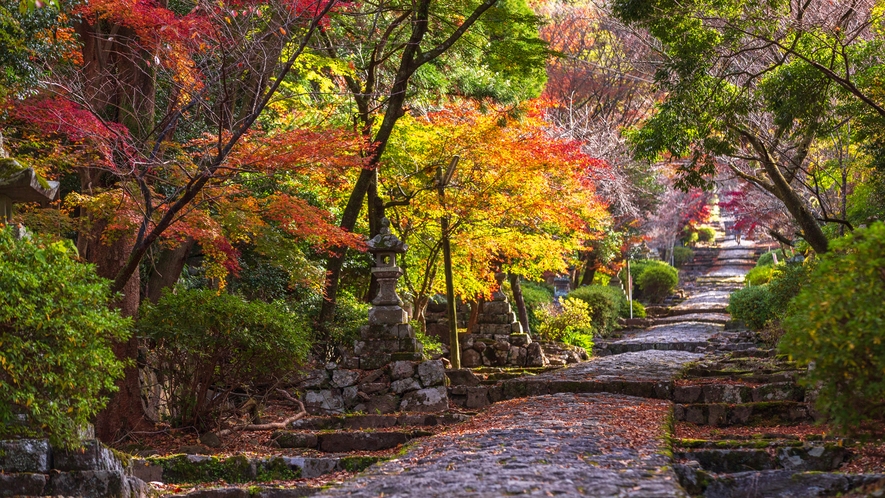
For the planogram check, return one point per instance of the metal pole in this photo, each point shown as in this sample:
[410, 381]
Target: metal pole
[630, 288]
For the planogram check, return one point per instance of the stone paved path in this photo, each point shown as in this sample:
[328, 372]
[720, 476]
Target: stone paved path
[563, 444]
[576, 431]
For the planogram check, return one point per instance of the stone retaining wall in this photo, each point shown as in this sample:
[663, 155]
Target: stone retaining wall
[32, 467]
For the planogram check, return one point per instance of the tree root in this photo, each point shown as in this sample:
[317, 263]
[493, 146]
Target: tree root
[274, 425]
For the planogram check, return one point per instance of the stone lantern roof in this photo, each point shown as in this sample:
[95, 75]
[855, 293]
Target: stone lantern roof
[20, 184]
[386, 241]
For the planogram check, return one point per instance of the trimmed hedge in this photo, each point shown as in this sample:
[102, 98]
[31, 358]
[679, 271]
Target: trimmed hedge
[752, 305]
[658, 282]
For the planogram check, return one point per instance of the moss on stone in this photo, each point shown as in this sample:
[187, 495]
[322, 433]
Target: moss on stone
[359, 463]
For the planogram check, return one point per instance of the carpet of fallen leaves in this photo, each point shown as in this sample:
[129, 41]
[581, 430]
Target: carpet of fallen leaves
[702, 381]
[866, 457]
[168, 441]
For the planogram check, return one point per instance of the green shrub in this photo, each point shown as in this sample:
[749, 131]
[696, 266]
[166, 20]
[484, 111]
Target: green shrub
[706, 234]
[786, 282]
[638, 309]
[558, 321]
[682, 255]
[208, 345]
[689, 235]
[658, 282]
[582, 340]
[638, 267]
[350, 315]
[767, 259]
[759, 275]
[606, 304]
[56, 331]
[432, 345]
[535, 295]
[837, 321]
[752, 305]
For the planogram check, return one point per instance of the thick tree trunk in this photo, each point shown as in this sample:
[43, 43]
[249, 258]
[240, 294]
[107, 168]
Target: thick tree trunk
[521, 310]
[167, 269]
[124, 412]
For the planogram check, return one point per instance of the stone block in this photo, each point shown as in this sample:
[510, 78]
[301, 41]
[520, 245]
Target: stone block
[477, 397]
[517, 356]
[315, 379]
[373, 388]
[386, 403]
[495, 318]
[25, 455]
[516, 328]
[344, 378]
[470, 358]
[387, 315]
[312, 467]
[496, 393]
[369, 422]
[462, 377]
[22, 484]
[494, 307]
[350, 395]
[431, 399]
[88, 483]
[343, 442]
[520, 339]
[285, 439]
[458, 391]
[534, 355]
[432, 373]
[687, 394]
[146, 471]
[404, 385]
[373, 361]
[324, 402]
[401, 370]
[91, 456]
[494, 329]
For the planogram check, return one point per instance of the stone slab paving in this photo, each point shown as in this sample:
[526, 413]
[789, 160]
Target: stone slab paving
[694, 317]
[704, 300]
[673, 333]
[564, 444]
[649, 365]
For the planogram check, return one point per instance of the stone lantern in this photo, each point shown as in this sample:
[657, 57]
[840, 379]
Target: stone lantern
[19, 184]
[388, 336]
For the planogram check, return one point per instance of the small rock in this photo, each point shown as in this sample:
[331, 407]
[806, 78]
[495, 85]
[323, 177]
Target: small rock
[211, 440]
[194, 449]
[462, 377]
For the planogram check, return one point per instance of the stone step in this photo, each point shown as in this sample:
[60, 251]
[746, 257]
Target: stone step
[706, 309]
[357, 422]
[732, 393]
[520, 388]
[609, 349]
[781, 483]
[179, 469]
[717, 318]
[820, 457]
[345, 441]
[756, 413]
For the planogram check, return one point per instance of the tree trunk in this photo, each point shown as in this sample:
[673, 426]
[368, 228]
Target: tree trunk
[124, 411]
[522, 311]
[167, 269]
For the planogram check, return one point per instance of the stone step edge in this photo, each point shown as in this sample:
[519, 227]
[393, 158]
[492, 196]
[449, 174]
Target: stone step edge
[357, 422]
[743, 414]
[236, 468]
[346, 441]
[697, 481]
